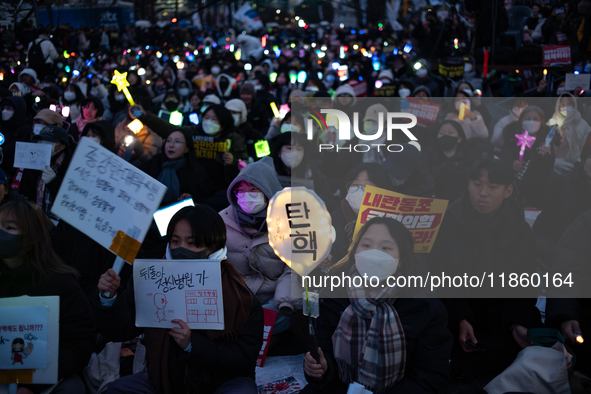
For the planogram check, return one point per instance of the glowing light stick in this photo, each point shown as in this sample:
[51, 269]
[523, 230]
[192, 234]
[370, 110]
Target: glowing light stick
[120, 80]
[462, 111]
[580, 339]
[275, 110]
[301, 235]
[524, 140]
[545, 74]
[550, 135]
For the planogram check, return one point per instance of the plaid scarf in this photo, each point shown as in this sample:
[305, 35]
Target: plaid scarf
[369, 343]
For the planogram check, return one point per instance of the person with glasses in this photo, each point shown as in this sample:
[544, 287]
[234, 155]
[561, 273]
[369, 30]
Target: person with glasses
[248, 240]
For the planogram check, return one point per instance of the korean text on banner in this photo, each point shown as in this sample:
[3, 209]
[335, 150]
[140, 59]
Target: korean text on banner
[32, 156]
[425, 111]
[102, 195]
[190, 290]
[29, 339]
[556, 54]
[421, 216]
[270, 317]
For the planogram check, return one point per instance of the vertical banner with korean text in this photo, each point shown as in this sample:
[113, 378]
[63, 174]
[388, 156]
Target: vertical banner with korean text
[421, 216]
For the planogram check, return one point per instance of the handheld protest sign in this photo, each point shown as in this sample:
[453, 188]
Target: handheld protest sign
[29, 345]
[190, 290]
[103, 196]
[421, 216]
[32, 156]
[300, 228]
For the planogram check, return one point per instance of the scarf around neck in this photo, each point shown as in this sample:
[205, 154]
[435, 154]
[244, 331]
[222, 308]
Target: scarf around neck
[369, 344]
[169, 178]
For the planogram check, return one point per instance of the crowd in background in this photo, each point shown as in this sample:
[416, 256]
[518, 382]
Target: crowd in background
[234, 90]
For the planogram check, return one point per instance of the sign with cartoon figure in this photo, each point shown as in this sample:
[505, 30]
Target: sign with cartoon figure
[23, 337]
[190, 290]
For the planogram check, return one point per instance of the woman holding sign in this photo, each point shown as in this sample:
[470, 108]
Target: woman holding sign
[30, 267]
[386, 343]
[182, 360]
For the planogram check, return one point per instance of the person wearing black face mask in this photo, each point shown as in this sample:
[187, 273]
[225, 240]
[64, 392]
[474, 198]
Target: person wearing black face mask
[182, 360]
[30, 267]
[171, 103]
[448, 162]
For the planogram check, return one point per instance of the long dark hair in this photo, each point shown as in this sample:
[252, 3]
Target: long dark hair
[37, 252]
[396, 229]
[191, 156]
[207, 226]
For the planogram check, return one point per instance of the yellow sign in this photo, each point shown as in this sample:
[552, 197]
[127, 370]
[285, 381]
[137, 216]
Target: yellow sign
[421, 216]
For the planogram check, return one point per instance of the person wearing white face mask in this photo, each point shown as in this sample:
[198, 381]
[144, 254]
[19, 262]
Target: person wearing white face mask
[248, 240]
[239, 115]
[345, 217]
[531, 120]
[354, 320]
[72, 98]
[293, 165]
[573, 132]
[472, 123]
[422, 77]
[184, 90]
[218, 146]
[42, 186]
[291, 122]
[517, 107]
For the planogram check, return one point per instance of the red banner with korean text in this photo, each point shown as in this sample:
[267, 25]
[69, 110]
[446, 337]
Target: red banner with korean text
[421, 216]
[556, 54]
[360, 88]
[425, 111]
[269, 323]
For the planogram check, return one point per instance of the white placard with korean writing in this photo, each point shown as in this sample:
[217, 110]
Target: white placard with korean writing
[29, 336]
[32, 156]
[102, 194]
[190, 290]
[577, 80]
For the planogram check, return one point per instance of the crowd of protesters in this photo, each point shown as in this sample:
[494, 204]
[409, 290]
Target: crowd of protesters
[235, 89]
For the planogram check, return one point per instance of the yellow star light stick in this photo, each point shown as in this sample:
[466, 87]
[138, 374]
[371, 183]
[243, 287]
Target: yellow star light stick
[120, 80]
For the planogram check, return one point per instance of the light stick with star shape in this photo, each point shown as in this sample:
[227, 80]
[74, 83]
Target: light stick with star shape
[524, 140]
[120, 80]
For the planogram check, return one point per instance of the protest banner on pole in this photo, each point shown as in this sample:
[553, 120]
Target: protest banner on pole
[105, 197]
[32, 156]
[29, 339]
[269, 324]
[190, 290]
[421, 216]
